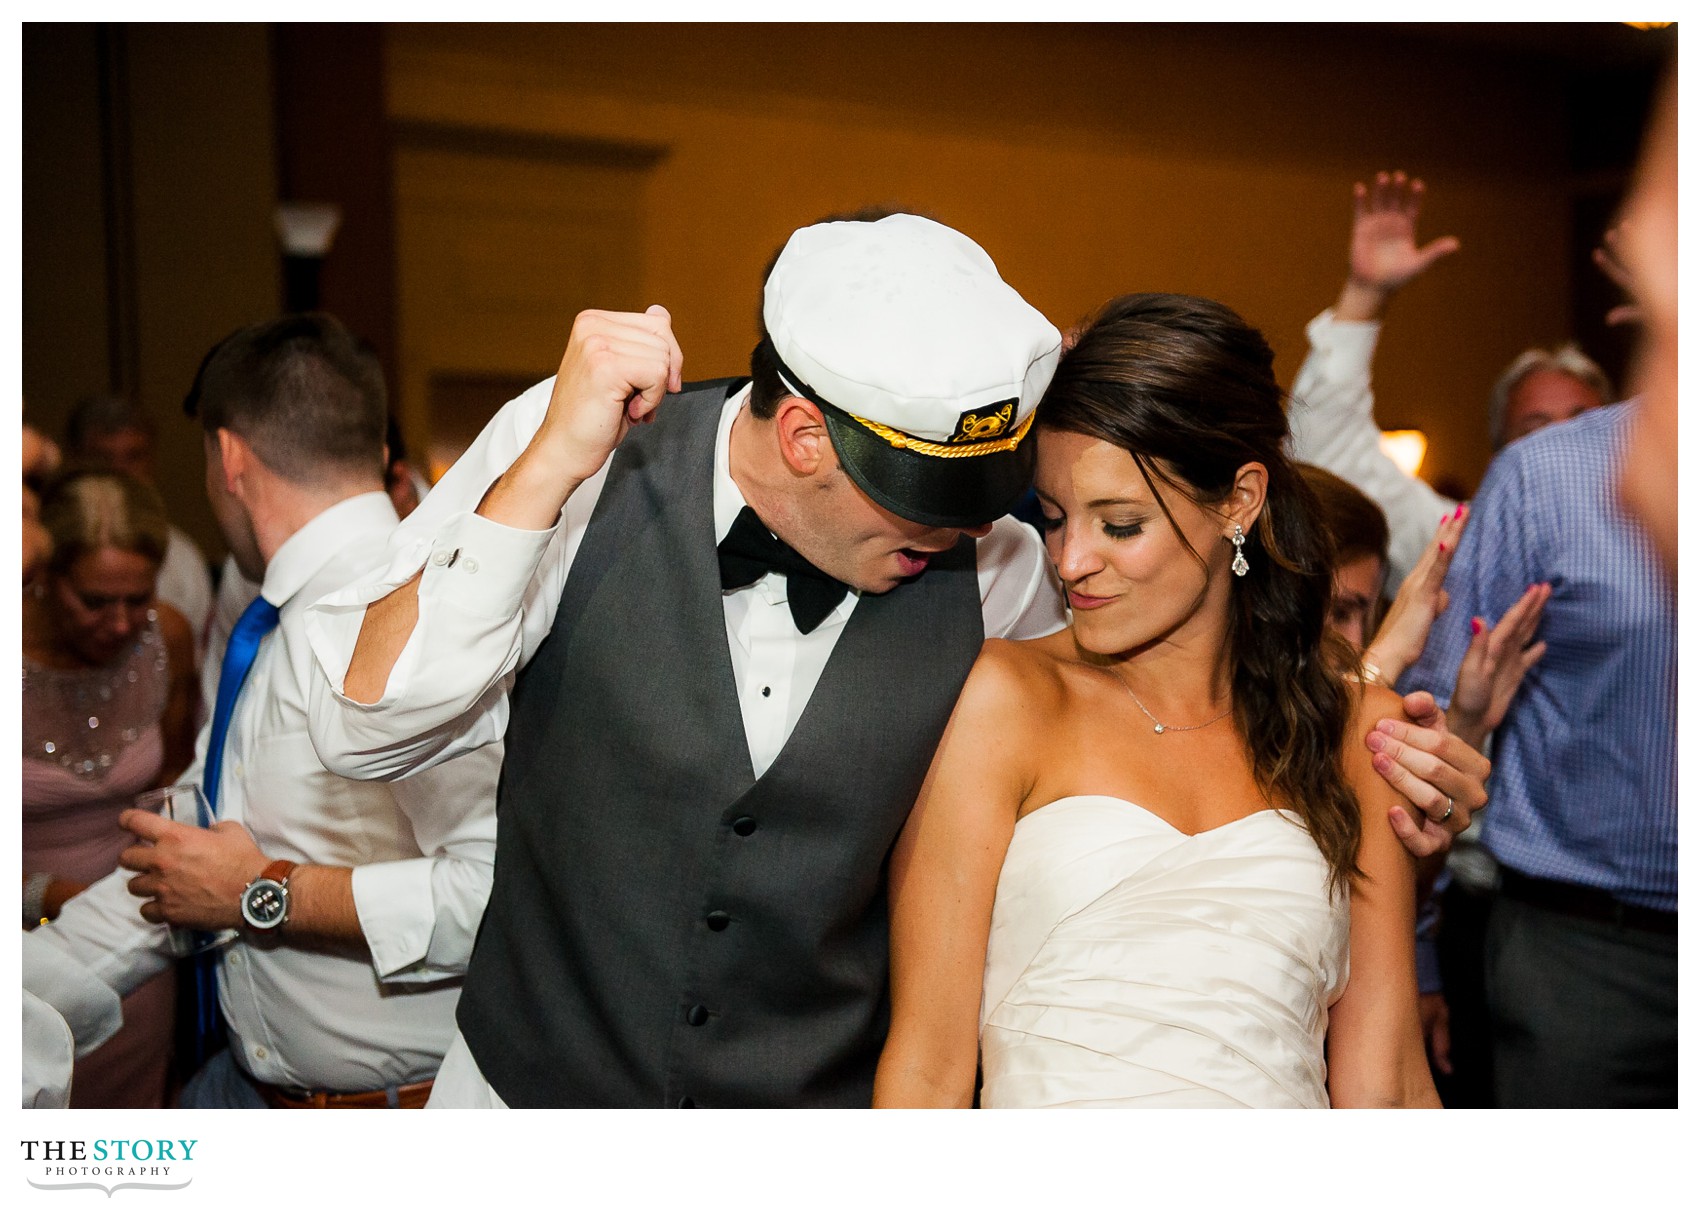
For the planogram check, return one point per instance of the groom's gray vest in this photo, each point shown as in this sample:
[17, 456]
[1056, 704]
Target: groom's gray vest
[666, 929]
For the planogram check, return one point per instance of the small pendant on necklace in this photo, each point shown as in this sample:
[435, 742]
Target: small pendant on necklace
[1159, 728]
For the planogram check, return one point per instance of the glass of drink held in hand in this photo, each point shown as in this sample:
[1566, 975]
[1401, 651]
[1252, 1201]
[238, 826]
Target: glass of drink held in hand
[185, 804]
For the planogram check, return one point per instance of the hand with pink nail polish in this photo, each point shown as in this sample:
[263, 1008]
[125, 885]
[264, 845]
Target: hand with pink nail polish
[1494, 666]
[1422, 598]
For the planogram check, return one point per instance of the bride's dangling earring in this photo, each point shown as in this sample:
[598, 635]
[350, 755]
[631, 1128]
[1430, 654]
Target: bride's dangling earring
[1240, 565]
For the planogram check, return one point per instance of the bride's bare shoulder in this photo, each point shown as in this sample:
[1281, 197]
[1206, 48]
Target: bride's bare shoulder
[1022, 673]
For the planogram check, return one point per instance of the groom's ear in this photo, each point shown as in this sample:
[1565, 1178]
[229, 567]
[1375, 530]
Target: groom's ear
[802, 435]
[1244, 504]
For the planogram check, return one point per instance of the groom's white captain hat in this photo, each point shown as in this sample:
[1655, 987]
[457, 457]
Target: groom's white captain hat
[925, 363]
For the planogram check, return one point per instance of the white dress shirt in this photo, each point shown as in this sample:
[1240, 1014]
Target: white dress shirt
[421, 850]
[1333, 425]
[488, 595]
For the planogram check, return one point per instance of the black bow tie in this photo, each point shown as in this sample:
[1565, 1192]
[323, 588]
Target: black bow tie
[749, 552]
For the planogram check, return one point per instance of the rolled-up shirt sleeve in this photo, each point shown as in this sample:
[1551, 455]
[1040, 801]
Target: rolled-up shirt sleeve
[420, 915]
[487, 596]
[447, 694]
[1332, 419]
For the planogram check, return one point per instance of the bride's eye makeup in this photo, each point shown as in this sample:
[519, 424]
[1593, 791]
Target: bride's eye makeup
[1049, 524]
[1124, 529]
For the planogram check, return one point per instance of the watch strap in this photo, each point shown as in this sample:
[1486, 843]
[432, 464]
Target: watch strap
[278, 871]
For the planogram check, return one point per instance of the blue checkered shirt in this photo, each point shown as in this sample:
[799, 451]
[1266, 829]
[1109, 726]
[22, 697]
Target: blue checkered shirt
[1584, 779]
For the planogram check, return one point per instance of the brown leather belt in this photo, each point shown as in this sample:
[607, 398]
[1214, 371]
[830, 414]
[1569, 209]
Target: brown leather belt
[407, 1096]
[1587, 903]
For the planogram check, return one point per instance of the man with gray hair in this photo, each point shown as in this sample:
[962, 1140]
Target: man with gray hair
[1580, 950]
[1542, 387]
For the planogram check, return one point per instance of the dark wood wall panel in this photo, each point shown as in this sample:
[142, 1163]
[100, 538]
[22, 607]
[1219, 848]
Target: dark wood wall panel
[333, 145]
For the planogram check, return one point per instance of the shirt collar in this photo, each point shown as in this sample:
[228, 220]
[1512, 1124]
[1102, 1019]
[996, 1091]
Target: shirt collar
[728, 500]
[316, 543]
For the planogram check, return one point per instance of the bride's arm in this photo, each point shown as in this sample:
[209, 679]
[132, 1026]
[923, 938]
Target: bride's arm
[944, 874]
[1375, 1041]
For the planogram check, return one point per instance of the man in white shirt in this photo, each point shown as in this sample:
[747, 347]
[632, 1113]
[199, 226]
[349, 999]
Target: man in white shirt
[1333, 409]
[709, 758]
[344, 993]
[405, 488]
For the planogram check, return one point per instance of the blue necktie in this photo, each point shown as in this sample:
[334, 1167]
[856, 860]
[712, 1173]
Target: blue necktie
[256, 622]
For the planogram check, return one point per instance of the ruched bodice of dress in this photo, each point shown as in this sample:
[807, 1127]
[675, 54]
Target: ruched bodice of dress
[1132, 964]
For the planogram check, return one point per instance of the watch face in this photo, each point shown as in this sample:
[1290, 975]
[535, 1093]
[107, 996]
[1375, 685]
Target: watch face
[264, 904]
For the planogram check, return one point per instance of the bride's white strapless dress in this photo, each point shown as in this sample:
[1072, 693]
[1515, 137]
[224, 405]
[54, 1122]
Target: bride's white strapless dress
[1132, 964]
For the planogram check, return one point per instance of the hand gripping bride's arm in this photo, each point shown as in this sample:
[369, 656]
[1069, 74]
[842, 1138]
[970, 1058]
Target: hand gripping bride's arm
[1375, 1041]
[944, 875]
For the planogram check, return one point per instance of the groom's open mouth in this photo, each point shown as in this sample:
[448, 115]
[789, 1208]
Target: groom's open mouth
[912, 562]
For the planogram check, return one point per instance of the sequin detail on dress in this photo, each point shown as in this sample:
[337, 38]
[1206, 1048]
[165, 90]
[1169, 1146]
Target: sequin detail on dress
[83, 719]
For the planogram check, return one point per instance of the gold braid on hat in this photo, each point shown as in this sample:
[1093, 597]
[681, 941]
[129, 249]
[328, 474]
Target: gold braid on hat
[903, 441]
[897, 438]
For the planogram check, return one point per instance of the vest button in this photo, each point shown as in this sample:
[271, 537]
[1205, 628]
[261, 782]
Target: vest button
[718, 920]
[697, 1015]
[687, 1103]
[743, 825]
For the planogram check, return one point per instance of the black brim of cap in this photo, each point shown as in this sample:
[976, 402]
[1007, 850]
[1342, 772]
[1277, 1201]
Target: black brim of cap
[953, 493]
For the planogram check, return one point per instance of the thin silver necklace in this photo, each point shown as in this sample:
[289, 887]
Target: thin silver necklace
[1156, 726]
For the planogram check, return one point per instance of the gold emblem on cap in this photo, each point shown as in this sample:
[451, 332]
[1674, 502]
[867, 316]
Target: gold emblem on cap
[978, 428]
[933, 449]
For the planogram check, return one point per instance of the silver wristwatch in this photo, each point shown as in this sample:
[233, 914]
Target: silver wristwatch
[265, 901]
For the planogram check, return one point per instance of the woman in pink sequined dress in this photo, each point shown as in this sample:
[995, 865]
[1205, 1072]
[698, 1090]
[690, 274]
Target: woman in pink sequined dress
[108, 711]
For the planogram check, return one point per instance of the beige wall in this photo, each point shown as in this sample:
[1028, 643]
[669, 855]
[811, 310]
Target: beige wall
[1213, 160]
[1088, 160]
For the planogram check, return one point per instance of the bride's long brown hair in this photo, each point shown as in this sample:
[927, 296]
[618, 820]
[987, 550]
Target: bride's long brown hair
[1188, 388]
